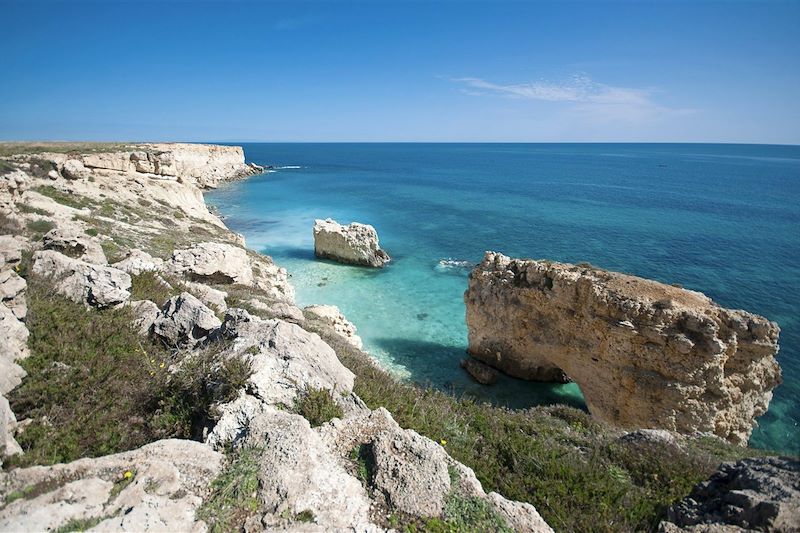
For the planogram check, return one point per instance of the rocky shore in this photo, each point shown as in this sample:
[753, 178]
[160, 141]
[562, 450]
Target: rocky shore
[157, 375]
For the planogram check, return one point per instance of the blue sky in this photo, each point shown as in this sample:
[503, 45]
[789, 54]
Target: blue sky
[401, 71]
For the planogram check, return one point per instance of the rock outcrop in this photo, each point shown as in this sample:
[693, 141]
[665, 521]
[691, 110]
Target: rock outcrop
[95, 285]
[645, 354]
[158, 487]
[333, 317]
[184, 322]
[355, 244]
[213, 262]
[759, 494]
[74, 244]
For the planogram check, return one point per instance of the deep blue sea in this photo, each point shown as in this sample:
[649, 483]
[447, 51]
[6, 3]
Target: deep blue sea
[721, 219]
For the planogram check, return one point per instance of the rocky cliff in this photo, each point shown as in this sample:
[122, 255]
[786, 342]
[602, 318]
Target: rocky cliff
[645, 354]
[124, 234]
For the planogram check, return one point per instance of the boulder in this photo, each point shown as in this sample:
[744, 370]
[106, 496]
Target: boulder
[281, 310]
[166, 485]
[8, 422]
[95, 285]
[645, 354]
[758, 494]
[146, 313]
[355, 244]
[73, 169]
[11, 250]
[333, 317]
[480, 372]
[13, 347]
[208, 295]
[75, 244]
[213, 262]
[185, 322]
[411, 471]
[286, 359]
[520, 516]
[12, 292]
[136, 262]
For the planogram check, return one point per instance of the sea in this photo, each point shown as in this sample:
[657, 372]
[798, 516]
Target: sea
[723, 219]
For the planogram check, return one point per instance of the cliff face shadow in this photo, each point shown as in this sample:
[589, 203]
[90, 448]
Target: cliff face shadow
[437, 365]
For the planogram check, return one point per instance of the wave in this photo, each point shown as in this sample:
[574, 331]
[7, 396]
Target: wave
[454, 266]
[288, 167]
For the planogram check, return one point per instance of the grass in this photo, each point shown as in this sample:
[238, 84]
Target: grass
[234, 494]
[14, 148]
[570, 467]
[149, 286]
[39, 227]
[317, 406]
[63, 198]
[95, 387]
[80, 524]
[29, 209]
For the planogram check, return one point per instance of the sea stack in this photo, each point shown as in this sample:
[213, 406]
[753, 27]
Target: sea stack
[645, 354]
[354, 244]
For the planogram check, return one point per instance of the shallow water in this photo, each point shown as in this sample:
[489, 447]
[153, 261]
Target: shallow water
[722, 219]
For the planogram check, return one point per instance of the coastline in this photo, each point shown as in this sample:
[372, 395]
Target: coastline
[104, 206]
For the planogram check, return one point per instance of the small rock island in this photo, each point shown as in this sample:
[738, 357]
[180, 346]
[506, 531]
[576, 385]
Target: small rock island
[354, 244]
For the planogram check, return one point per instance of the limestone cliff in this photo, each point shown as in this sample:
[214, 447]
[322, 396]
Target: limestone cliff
[645, 354]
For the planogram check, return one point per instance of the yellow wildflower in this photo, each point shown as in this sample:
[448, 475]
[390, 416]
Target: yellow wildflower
[128, 474]
[161, 365]
[443, 442]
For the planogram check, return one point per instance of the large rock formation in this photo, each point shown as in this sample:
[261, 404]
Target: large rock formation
[645, 354]
[759, 494]
[158, 487]
[355, 244]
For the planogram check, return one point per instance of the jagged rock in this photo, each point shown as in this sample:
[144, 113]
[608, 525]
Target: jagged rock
[271, 278]
[520, 516]
[208, 295]
[645, 354]
[146, 313]
[480, 372]
[11, 250]
[411, 471]
[8, 445]
[136, 262]
[285, 358]
[332, 316]
[13, 347]
[355, 244]
[277, 310]
[74, 244]
[12, 185]
[298, 473]
[168, 483]
[73, 169]
[12, 292]
[213, 262]
[759, 494]
[185, 321]
[95, 285]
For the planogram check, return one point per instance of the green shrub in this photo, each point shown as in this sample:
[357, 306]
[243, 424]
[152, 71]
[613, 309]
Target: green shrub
[40, 226]
[63, 198]
[317, 406]
[91, 232]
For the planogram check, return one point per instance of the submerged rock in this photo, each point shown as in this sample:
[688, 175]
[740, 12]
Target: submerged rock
[645, 354]
[761, 494]
[480, 372]
[355, 244]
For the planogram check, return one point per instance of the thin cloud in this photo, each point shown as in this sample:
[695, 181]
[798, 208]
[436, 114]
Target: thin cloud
[580, 92]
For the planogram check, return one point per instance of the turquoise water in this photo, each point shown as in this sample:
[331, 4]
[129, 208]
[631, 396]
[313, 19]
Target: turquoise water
[722, 219]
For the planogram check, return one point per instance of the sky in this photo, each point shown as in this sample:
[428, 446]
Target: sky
[335, 71]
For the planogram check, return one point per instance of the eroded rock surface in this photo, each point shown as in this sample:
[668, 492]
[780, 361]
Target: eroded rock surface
[333, 317]
[355, 244]
[96, 285]
[73, 243]
[645, 354]
[759, 494]
[213, 262]
[168, 480]
[185, 321]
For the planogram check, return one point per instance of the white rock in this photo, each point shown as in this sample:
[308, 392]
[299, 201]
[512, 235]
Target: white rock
[73, 169]
[171, 478]
[75, 244]
[286, 359]
[185, 321]
[208, 295]
[332, 316]
[146, 313]
[355, 243]
[95, 285]
[520, 516]
[137, 262]
[8, 445]
[213, 262]
[12, 292]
